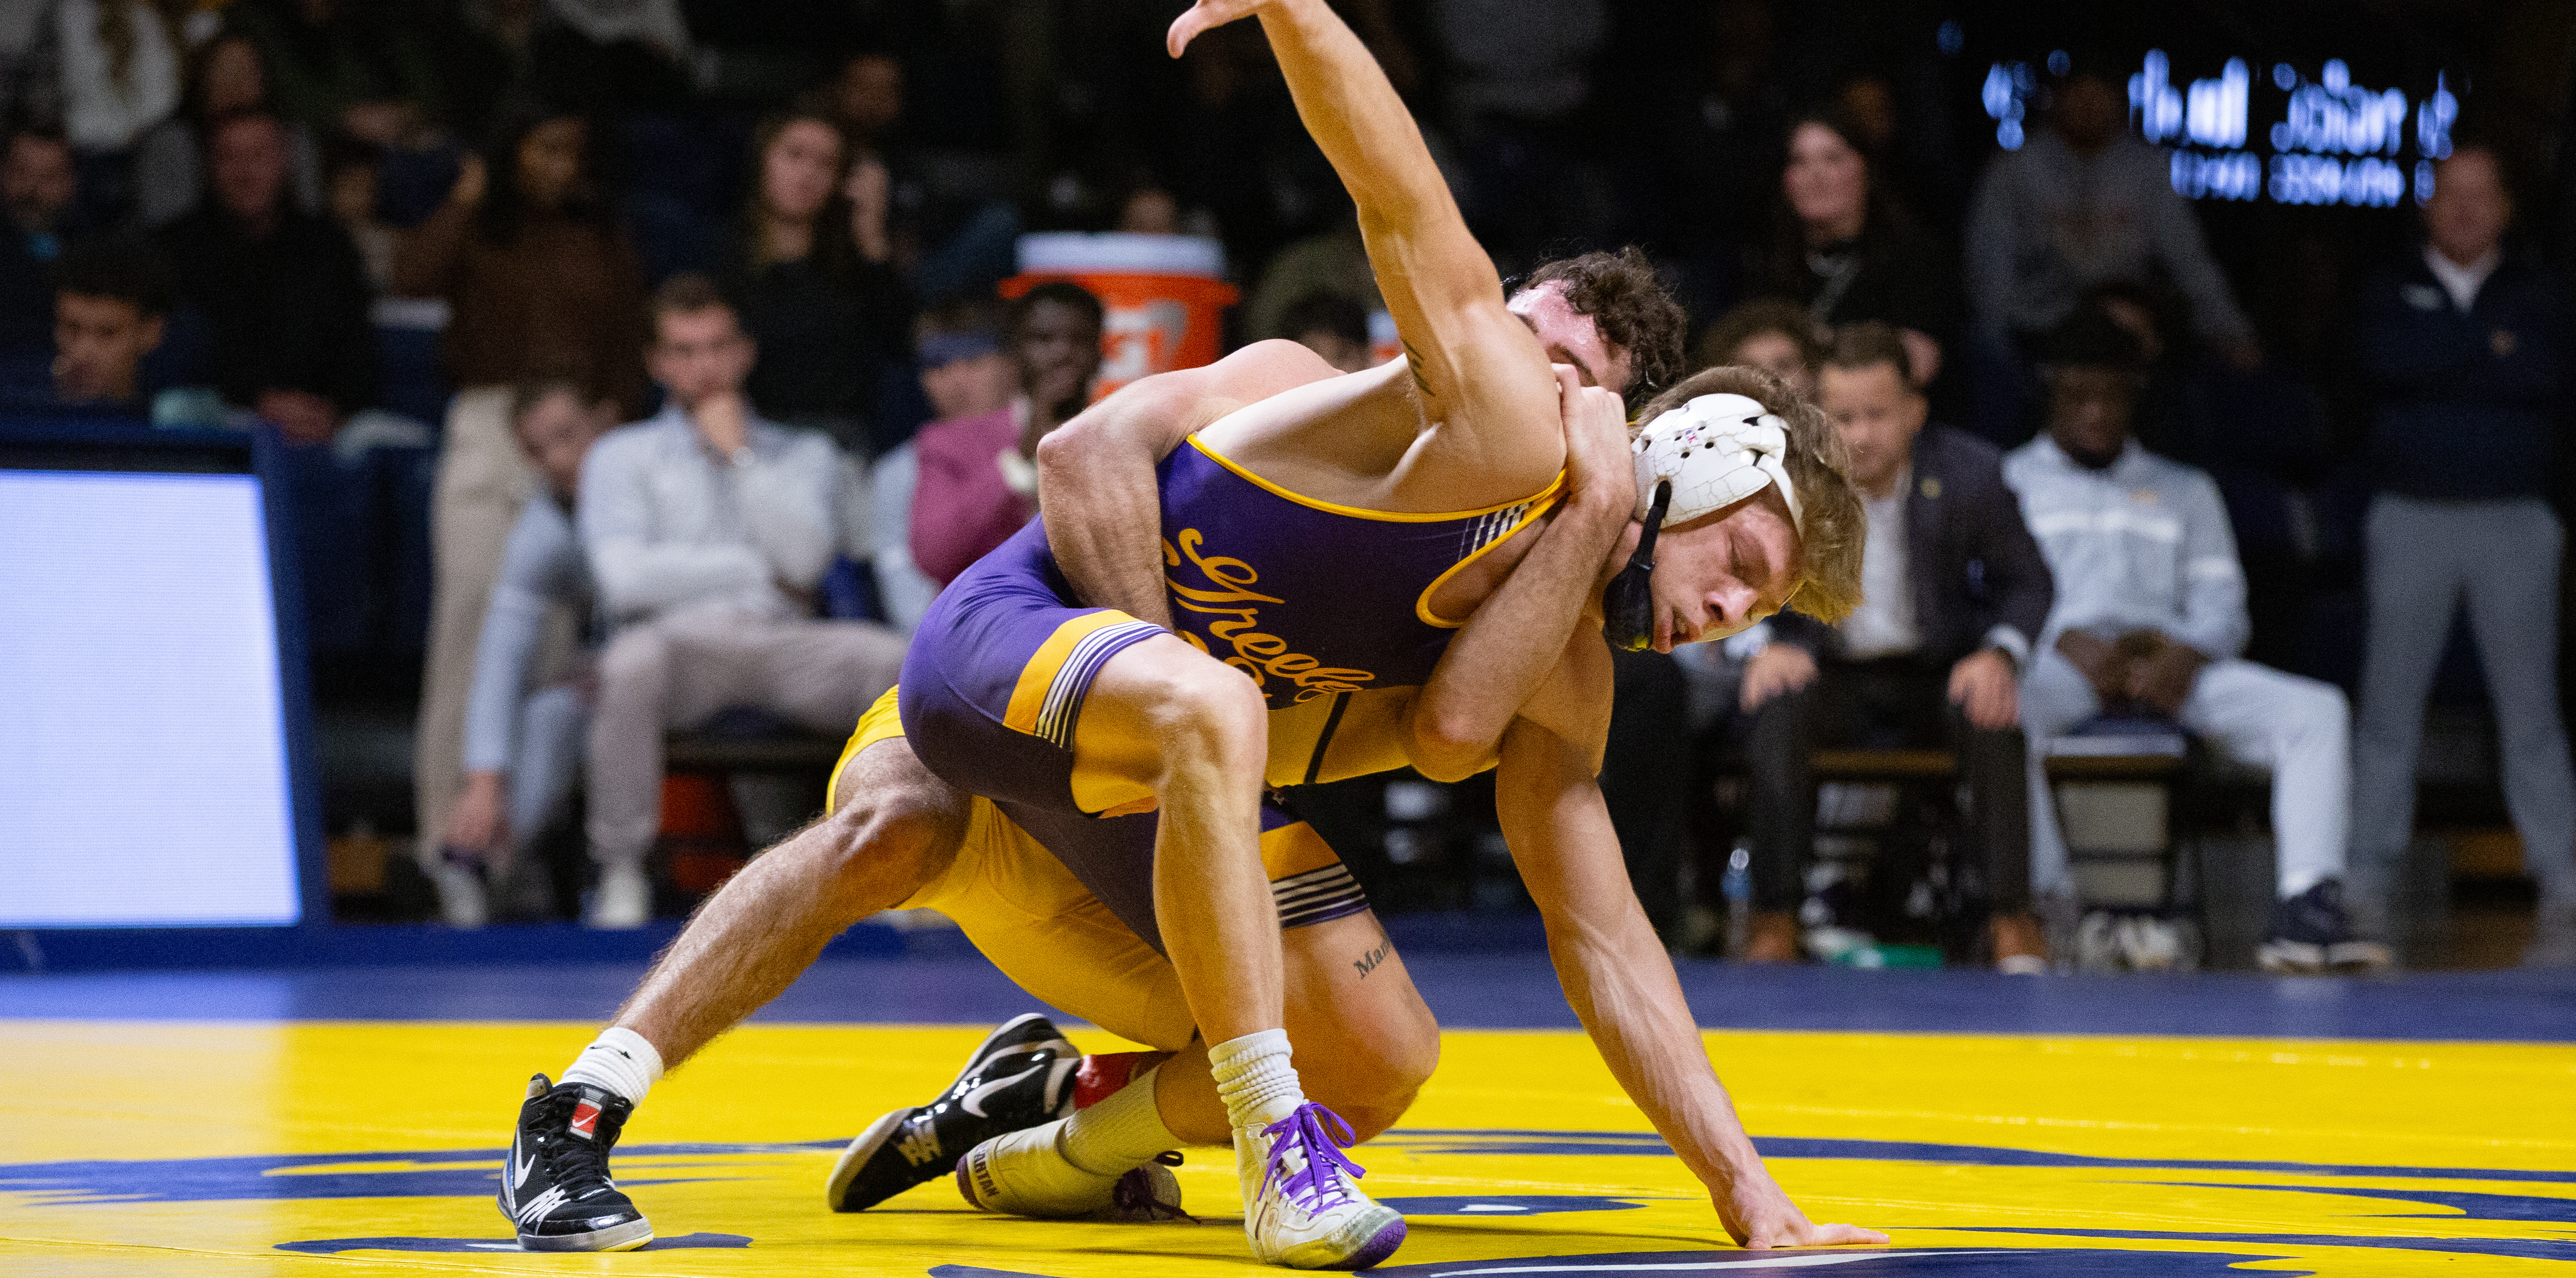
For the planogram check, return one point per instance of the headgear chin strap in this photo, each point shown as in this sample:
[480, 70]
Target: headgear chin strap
[1702, 457]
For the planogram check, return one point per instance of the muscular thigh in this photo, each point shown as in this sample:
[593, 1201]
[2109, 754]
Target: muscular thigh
[1119, 750]
[1053, 936]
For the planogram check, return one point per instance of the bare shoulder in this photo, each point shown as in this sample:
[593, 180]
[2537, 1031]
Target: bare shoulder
[1266, 368]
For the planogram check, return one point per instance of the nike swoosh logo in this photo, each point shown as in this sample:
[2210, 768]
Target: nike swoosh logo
[1060, 1047]
[524, 1168]
[973, 1102]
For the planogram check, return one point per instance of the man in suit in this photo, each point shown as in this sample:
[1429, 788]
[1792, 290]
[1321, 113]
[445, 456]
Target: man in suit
[1954, 593]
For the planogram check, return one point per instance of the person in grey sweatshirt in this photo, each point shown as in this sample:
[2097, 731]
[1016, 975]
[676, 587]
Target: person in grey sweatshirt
[2148, 621]
[523, 748]
[2082, 203]
[707, 529]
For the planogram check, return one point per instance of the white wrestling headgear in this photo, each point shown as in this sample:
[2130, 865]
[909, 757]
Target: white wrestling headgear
[1699, 458]
[1715, 450]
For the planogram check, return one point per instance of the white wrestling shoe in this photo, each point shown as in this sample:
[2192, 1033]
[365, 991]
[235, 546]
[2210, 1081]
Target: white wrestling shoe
[1300, 1207]
[1024, 1173]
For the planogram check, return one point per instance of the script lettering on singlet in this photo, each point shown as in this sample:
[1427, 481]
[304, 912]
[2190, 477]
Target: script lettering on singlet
[1227, 599]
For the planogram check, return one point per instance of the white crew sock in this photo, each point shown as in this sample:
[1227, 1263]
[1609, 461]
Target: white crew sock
[1255, 1080]
[618, 1061]
[1123, 1132]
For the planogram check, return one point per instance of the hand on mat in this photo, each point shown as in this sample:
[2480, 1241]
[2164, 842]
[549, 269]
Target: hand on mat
[1759, 1216]
[1600, 468]
[1203, 16]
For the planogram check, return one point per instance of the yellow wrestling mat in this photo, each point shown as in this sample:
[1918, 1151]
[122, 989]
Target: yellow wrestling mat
[236, 1148]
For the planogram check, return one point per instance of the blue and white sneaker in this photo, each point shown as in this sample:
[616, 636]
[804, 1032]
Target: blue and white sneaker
[2313, 932]
[555, 1188]
[1021, 1075]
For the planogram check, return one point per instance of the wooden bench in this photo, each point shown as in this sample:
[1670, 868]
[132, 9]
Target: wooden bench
[789, 752]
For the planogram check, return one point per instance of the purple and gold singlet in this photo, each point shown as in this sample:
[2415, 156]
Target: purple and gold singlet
[1326, 607]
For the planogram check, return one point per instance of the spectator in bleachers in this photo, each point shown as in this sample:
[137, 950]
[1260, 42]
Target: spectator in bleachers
[283, 291]
[227, 76]
[821, 301]
[1149, 208]
[523, 742]
[1846, 251]
[867, 97]
[965, 374]
[112, 298]
[1956, 594]
[119, 62]
[978, 476]
[1333, 262]
[707, 529]
[2081, 202]
[37, 185]
[1776, 336]
[2150, 615]
[350, 185]
[950, 229]
[343, 67]
[1333, 326]
[540, 280]
[496, 55]
[1519, 75]
[110, 303]
[2465, 345]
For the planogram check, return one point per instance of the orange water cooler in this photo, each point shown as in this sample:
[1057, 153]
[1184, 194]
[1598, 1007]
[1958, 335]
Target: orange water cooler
[1165, 296]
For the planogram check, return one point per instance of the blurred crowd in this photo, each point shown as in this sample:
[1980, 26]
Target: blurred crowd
[724, 387]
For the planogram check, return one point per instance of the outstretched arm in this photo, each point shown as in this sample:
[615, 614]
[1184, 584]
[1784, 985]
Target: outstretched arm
[1096, 487]
[1615, 972]
[1480, 372]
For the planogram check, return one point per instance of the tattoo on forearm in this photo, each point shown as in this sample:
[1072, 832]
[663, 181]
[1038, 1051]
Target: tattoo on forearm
[1368, 962]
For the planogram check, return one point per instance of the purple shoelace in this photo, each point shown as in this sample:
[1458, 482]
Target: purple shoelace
[1310, 1185]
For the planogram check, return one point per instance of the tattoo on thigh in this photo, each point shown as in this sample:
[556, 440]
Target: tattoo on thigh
[1368, 962]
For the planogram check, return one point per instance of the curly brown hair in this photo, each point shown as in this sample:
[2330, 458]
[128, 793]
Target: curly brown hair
[1630, 307]
[1833, 527]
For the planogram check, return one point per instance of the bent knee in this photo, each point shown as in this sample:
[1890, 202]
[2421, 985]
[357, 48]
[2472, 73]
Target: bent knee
[640, 654]
[1210, 706]
[2319, 710]
[896, 820]
[1373, 1085]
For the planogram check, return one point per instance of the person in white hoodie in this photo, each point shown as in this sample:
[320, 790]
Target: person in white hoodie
[2149, 619]
[707, 530]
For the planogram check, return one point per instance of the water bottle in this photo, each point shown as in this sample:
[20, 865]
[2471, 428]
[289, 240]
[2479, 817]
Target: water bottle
[1737, 887]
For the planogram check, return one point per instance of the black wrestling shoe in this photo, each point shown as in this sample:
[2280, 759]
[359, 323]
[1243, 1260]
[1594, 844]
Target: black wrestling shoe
[1021, 1075]
[555, 1187]
[2313, 932]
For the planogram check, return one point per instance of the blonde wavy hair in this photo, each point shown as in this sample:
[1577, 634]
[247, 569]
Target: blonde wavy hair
[1835, 527]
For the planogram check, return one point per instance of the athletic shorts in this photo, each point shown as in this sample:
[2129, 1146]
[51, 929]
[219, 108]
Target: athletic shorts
[1052, 935]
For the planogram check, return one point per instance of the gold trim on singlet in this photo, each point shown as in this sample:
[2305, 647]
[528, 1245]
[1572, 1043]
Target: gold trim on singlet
[1538, 507]
[1355, 512]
